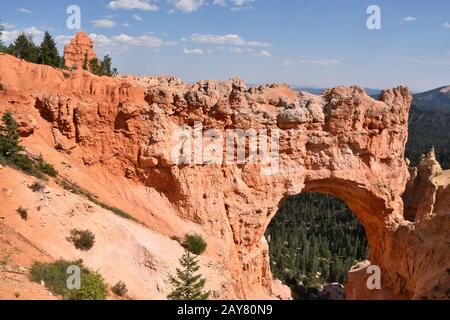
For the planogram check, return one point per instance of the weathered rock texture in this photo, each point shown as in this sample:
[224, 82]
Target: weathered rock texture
[342, 143]
[75, 52]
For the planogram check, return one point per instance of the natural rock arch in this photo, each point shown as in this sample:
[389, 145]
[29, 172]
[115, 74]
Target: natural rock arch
[343, 142]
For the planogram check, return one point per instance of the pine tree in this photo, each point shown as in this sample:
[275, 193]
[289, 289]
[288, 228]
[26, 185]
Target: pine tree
[94, 66]
[86, 61]
[48, 53]
[106, 67]
[188, 285]
[9, 137]
[2, 47]
[24, 48]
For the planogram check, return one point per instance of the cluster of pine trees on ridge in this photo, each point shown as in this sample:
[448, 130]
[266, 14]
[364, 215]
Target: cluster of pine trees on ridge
[47, 53]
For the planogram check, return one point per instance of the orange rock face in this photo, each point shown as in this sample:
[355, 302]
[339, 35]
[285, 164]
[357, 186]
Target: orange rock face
[75, 52]
[342, 143]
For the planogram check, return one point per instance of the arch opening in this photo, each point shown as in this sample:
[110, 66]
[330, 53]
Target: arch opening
[314, 240]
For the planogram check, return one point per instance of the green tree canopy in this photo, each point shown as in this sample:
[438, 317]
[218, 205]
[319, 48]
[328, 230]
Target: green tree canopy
[2, 47]
[24, 48]
[107, 68]
[9, 137]
[48, 53]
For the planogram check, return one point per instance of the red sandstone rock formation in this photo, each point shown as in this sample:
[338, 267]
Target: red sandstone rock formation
[75, 52]
[343, 143]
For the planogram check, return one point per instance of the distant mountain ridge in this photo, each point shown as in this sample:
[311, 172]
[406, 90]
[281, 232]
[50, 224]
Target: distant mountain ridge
[437, 99]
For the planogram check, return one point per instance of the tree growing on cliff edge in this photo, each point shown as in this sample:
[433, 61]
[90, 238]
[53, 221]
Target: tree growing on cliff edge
[9, 137]
[102, 67]
[86, 61]
[48, 53]
[2, 47]
[107, 68]
[188, 285]
[24, 48]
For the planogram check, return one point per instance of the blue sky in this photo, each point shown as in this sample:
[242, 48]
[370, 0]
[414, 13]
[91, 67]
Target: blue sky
[319, 43]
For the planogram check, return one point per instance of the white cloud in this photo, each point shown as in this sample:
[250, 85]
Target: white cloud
[409, 19]
[144, 5]
[196, 51]
[187, 5]
[35, 34]
[446, 25]
[320, 62]
[263, 53]
[228, 39]
[142, 41]
[137, 17]
[237, 49]
[25, 10]
[240, 3]
[235, 5]
[103, 23]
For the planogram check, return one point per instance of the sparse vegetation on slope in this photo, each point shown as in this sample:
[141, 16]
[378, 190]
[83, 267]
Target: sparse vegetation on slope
[55, 277]
[82, 239]
[23, 213]
[120, 289]
[194, 244]
[75, 189]
[12, 153]
[37, 186]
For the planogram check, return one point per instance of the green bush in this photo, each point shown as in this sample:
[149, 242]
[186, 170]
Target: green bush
[23, 213]
[37, 186]
[194, 244]
[55, 278]
[14, 154]
[92, 288]
[120, 289]
[82, 239]
[46, 168]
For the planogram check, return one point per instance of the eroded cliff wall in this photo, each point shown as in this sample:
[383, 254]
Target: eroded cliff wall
[343, 143]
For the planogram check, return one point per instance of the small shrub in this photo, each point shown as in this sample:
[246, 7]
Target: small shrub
[92, 288]
[55, 278]
[194, 244]
[2, 88]
[66, 75]
[24, 163]
[120, 289]
[5, 260]
[23, 213]
[37, 186]
[82, 239]
[46, 168]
